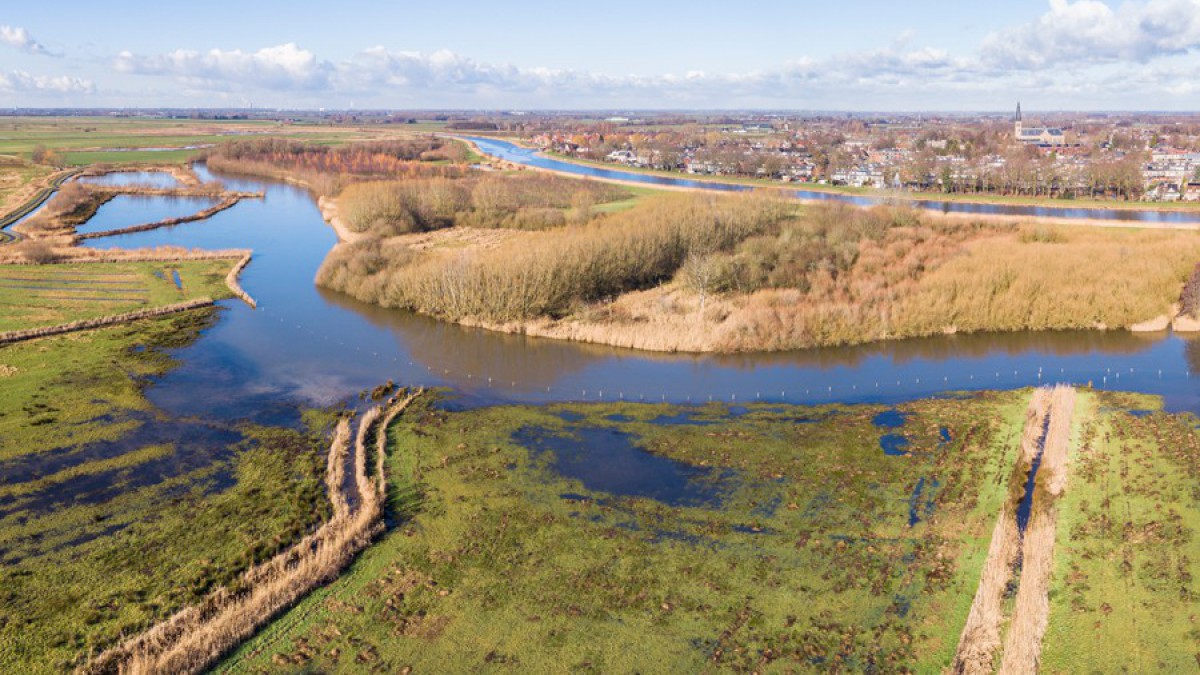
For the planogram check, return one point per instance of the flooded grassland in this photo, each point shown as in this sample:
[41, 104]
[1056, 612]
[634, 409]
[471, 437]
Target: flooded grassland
[748, 538]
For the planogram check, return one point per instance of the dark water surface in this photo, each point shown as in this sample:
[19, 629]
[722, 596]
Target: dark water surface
[532, 157]
[305, 345]
[609, 460]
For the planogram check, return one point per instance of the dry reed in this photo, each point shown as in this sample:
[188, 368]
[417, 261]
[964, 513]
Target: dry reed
[192, 639]
[1031, 611]
[980, 642]
[231, 280]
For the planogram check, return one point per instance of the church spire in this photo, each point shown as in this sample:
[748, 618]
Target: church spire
[1017, 118]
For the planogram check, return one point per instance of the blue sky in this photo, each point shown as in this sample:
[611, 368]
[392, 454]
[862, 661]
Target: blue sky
[861, 55]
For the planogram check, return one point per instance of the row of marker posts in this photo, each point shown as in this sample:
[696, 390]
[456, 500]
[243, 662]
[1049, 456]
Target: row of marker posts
[599, 393]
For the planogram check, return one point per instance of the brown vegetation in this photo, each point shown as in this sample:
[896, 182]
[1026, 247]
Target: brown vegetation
[529, 201]
[980, 641]
[1028, 559]
[1031, 611]
[327, 170]
[194, 638]
[552, 273]
[231, 280]
[830, 275]
[73, 204]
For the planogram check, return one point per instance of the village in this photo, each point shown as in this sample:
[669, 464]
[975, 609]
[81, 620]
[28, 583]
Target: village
[1105, 156]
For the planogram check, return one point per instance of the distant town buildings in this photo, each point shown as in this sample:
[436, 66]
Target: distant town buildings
[1098, 156]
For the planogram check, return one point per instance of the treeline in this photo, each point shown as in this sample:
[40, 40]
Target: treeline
[328, 169]
[531, 201]
[551, 273]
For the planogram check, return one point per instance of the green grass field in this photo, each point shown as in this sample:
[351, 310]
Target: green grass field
[80, 141]
[112, 515]
[33, 296]
[808, 562]
[1127, 555]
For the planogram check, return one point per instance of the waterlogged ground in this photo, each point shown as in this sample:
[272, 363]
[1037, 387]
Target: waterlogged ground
[764, 537]
[114, 515]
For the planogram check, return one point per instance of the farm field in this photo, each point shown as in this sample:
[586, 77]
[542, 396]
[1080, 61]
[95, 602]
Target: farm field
[773, 538]
[79, 141]
[33, 296]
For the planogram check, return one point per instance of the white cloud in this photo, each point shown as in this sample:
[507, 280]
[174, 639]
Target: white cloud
[1089, 32]
[19, 38]
[17, 81]
[1123, 57]
[281, 68]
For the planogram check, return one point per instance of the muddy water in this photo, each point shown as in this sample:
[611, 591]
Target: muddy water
[307, 345]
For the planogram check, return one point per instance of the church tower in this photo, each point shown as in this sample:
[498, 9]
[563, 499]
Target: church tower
[1017, 122]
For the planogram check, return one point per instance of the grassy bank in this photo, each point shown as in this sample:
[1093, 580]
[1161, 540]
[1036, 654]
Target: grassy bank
[33, 296]
[1127, 555]
[794, 543]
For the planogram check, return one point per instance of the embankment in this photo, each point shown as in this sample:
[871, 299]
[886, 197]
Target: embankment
[102, 321]
[191, 640]
[1024, 560]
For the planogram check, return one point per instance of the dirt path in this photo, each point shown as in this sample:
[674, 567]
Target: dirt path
[980, 640]
[1026, 559]
[1031, 612]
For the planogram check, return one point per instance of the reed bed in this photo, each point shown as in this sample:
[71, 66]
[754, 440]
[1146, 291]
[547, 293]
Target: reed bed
[102, 321]
[192, 639]
[980, 641]
[70, 256]
[532, 201]
[231, 280]
[368, 428]
[549, 275]
[335, 470]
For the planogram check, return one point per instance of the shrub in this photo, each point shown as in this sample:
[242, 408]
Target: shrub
[548, 275]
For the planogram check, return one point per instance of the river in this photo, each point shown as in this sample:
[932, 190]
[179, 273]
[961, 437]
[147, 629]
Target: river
[308, 346]
[534, 158]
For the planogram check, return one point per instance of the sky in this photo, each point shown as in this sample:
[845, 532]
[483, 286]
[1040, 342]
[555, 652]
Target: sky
[865, 55]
